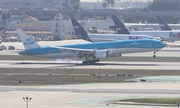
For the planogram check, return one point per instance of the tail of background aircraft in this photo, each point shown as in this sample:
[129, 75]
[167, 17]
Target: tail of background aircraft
[27, 41]
[119, 26]
[79, 30]
[163, 25]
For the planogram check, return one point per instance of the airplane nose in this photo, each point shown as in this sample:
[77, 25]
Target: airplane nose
[163, 45]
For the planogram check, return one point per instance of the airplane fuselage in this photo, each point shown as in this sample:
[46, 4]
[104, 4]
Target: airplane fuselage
[110, 37]
[164, 35]
[113, 47]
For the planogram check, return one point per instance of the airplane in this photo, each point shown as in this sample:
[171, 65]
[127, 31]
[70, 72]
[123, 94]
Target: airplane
[121, 29]
[79, 30]
[163, 25]
[91, 52]
[119, 26]
[163, 35]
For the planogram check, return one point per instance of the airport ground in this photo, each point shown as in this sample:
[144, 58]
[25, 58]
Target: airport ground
[58, 84]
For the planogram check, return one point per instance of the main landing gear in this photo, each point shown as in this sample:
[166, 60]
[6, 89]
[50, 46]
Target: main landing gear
[154, 54]
[90, 61]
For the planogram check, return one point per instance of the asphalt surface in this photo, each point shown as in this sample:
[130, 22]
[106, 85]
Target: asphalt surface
[83, 95]
[88, 95]
[102, 65]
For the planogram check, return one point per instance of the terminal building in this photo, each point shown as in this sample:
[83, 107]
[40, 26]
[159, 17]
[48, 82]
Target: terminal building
[35, 4]
[59, 29]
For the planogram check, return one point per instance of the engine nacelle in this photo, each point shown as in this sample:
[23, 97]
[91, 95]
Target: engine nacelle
[115, 55]
[101, 54]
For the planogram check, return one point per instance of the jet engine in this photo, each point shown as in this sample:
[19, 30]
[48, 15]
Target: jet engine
[101, 54]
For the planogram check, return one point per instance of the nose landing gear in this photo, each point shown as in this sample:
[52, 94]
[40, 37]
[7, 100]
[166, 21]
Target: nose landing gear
[154, 54]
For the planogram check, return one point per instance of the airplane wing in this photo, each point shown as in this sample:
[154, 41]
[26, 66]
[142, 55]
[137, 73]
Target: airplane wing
[78, 51]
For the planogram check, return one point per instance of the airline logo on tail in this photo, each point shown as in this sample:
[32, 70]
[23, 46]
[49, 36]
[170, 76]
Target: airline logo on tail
[119, 28]
[29, 41]
[77, 27]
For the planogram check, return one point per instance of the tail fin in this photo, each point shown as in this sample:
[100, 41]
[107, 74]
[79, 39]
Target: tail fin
[163, 25]
[79, 30]
[28, 42]
[119, 26]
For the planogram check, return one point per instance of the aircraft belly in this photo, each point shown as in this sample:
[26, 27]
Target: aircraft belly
[130, 50]
[57, 55]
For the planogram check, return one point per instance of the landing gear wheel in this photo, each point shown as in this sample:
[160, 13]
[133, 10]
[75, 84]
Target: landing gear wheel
[89, 62]
[97, 60]
[154, 54]
[84, 62]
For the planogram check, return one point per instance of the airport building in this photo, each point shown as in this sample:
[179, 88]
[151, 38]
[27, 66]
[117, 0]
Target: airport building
[59, 29]
[119, 4]
[35, 4]
[163, 1]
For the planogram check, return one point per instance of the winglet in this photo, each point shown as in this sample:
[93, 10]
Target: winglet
[119, 26]
[163, 25]
[79, 30]
[27, 41]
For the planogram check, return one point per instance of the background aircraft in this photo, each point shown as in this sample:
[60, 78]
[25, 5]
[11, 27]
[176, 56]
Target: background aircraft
[92, 52]
[162, 24]
[164, 35]
[119, 26]
[79, 30]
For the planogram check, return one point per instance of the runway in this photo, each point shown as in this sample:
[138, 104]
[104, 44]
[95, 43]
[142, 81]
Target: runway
[83, 95]
[86, 95]
[102, 65]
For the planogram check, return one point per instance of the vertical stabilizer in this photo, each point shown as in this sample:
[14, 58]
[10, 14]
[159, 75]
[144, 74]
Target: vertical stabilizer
[27, 41]
[163, 25]
[119, 26]
[79, 30]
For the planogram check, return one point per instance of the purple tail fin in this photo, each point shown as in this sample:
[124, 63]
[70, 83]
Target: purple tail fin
[163, 25]
[119, 26]
[79, 30]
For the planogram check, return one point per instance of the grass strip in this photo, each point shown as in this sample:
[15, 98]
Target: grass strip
[153, 100]
[27, 76]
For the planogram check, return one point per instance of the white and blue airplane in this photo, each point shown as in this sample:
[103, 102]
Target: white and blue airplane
[92, 52]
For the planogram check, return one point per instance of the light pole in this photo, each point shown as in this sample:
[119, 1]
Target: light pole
[177, 102]
[27, 99]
